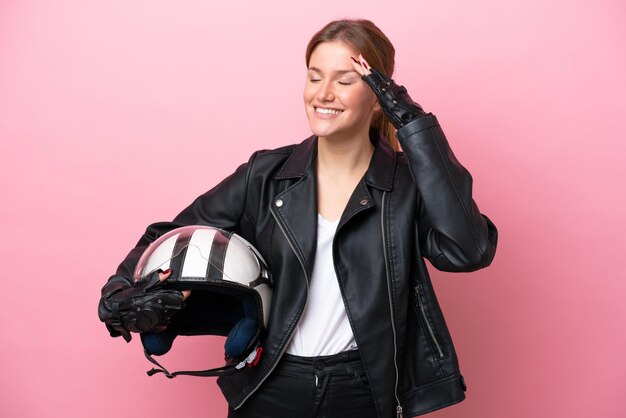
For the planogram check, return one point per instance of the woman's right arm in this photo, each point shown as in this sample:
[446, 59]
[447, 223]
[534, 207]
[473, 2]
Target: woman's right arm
[223, 207]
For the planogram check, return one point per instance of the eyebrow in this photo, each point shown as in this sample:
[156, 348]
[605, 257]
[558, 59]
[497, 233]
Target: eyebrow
[340, 72]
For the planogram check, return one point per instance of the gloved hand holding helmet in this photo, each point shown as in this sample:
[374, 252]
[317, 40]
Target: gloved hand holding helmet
[231, 294]
[143, 306]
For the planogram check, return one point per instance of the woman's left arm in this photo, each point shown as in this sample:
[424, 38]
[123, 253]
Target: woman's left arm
[454, 235]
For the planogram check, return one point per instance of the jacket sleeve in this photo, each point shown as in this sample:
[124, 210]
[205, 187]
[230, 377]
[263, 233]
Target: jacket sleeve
[453, 234]
[223, 207]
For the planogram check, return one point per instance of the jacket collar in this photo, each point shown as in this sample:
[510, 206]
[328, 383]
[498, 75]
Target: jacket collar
[380, 173]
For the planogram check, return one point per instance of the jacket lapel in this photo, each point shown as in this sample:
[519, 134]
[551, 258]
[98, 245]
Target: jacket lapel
[296, 207]
[379, 175]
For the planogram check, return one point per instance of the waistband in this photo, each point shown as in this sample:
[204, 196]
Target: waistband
[349, 356]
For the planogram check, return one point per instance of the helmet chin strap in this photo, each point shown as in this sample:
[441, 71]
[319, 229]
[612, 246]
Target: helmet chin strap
[250, 361]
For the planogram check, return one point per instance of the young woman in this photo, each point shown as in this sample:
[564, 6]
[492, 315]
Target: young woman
[344, 221]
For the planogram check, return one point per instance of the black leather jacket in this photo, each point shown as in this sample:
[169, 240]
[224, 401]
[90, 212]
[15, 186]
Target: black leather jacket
[407, 206]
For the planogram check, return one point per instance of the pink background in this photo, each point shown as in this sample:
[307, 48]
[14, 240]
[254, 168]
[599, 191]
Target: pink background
[117, 114]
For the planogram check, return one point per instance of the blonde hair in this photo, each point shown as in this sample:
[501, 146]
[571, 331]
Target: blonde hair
[367, 39]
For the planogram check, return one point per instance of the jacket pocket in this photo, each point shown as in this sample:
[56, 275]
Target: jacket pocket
[420, 306]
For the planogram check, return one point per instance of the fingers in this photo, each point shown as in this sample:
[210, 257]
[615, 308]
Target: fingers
[361, 66]
[358, 67]
[366, 66]
[165, 274]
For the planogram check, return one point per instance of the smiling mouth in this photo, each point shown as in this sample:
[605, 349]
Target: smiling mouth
[327, 111]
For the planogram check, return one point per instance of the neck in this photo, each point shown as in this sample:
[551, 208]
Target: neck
[344, 156]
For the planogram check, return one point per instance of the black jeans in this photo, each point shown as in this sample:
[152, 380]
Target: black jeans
[312, 387]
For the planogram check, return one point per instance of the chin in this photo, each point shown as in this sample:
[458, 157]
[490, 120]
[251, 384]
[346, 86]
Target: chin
[323, 132]
[323, 129]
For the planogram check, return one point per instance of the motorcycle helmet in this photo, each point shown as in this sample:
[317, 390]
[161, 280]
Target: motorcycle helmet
[231, 292]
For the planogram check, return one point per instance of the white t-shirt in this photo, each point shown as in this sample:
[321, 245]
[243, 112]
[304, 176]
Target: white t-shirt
[324, 328]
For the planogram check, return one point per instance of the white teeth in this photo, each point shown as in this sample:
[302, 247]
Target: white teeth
[328, 111]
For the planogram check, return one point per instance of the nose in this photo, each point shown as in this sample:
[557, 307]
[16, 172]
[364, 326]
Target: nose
[325, 93]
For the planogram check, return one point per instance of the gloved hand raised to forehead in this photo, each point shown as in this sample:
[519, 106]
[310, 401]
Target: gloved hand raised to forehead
[394, 99]
[145, 306]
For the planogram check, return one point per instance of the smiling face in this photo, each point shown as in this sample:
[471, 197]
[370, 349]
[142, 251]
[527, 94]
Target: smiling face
[338, 103]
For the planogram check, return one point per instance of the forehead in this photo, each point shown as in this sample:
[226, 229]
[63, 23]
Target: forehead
[332, 56]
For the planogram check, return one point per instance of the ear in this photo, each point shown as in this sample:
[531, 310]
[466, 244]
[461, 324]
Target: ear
[376, 106]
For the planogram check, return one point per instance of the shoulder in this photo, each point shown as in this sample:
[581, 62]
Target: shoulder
[272, 161]
[276, 154]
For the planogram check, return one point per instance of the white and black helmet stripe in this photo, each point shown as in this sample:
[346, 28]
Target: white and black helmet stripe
[219, 247]
[179, 253]
[208, 255]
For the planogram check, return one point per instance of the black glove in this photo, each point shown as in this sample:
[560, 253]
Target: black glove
[393, 99]
[145, 306]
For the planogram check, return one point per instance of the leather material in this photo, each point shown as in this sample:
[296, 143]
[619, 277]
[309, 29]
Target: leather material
[419, 201]
[144, 306]
[394, 99]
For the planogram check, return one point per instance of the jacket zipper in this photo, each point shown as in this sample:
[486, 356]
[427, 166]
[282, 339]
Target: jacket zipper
[399, 413]
[418, 293]
[303, 308]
